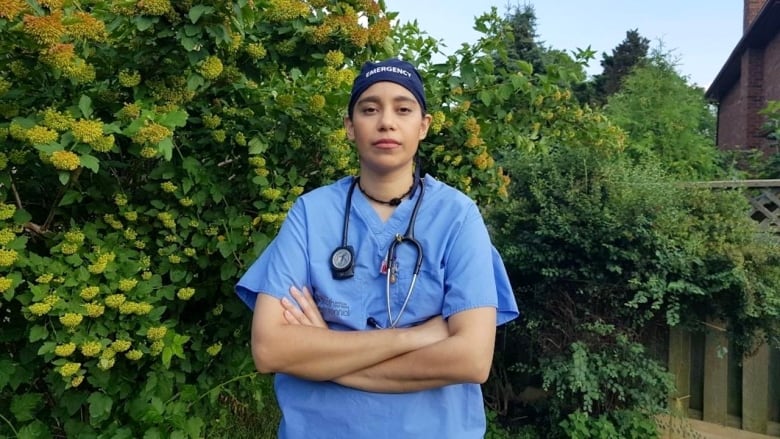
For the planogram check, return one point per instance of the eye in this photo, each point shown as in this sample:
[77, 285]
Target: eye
[368, 110]
[405, 110]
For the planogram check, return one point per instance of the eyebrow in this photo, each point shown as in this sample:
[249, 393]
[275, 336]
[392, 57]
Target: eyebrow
[376, 100]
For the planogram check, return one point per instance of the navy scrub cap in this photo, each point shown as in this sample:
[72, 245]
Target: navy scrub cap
[392, 70]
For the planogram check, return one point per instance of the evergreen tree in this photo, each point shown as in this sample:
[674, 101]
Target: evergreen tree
[628, 54]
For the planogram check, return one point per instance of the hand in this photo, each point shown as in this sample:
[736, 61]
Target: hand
[306, 312]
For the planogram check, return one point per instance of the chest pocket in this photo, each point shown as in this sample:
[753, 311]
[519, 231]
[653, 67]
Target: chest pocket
[426, 298]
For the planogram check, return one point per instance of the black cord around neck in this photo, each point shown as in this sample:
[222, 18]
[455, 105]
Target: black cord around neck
[393, 201]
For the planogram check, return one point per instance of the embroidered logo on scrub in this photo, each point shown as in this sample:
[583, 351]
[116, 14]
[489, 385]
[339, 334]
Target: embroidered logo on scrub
[332, 309]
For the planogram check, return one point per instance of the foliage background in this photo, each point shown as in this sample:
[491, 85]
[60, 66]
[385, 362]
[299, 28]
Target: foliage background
[150, 149]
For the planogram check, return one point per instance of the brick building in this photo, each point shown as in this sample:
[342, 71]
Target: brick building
[750, 78]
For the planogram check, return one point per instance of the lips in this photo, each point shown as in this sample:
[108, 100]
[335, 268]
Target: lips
[386, 143]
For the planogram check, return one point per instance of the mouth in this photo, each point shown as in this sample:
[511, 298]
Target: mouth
[386, 143]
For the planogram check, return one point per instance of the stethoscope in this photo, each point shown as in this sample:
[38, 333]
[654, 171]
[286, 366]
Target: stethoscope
[342, 260]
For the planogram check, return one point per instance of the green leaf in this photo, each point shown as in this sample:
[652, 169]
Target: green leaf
[70, 197]
[99, 407]
[228, 271]
[167, 355]
[194, 427]
[21, 216]
[194, 82]
[153, 433]
[90, 162]
[177, 118]
[6, 366]
[72, 401]
[64, 177]
[85, 106]
[257, 146]
[189, 43]
[143, 23]
[47, 347]
[197, 11]
[34, 430]
[25, 405]
[38, 332]
[166, 148]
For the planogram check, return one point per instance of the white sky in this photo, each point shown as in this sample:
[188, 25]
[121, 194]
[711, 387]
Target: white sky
[700, 33]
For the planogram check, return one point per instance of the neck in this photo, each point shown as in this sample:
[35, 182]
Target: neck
[395, 201]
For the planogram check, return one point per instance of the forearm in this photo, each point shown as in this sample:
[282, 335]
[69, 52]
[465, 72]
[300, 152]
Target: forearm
[323, 354]
[451, 361]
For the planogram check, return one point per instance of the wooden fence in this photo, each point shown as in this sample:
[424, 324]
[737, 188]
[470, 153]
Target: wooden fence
[712, 384]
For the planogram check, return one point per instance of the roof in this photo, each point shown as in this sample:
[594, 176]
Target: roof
[762, 30]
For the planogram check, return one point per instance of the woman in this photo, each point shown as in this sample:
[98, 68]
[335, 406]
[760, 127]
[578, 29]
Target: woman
[377, 307]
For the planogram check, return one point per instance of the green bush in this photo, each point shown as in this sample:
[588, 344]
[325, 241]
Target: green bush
[605, 255]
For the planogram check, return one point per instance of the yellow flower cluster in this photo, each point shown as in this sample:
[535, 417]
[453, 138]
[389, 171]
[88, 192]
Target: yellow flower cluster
[137, 308]
[106, 363]
[126, 285]
[190, 252]
[71, 320]
[77, 380]
[5, 85]
[94, 310]
[379, 31]
[148, 152]
[87, 131]
[168, 187]
[112, 221]
[271, 193]
[121, 345]
[56, 120]
[334, 58]
[129, 111]
[7, 211]
[130, 215]
[186, 201]
[90, 348]
[3, 159]
[65, 160]
[39, 309]
[256, 50]
[130, 234]
[6, 235]
[51, 299]
[89, 293]
[317, 102]
[45, 29]
[10, 9]
[115, 300]
[85, 26]
[185, 293]
[156, 347]
[101, 263]
[156, 333]
[129, 78]
[40, 135]
[63, 350]
[151, 133]
[211, 67]
[69, 369]
[7, 257]
[44, 278]
[167, 220]
[483, 161]
[5, 284]
[214, 349]
[174, 259]
[280, 11]
[154, 7]
[75, 236]
[211, 121]
[134, 355]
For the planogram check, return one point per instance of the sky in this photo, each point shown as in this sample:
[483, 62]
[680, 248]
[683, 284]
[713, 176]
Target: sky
[700, 34]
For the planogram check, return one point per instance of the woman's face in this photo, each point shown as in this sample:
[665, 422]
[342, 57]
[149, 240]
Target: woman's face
[387, 125]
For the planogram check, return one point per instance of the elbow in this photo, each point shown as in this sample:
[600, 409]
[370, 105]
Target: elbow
[478, 370]
[264, 358]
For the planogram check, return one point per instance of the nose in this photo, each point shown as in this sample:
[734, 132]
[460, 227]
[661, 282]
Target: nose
[387, 121]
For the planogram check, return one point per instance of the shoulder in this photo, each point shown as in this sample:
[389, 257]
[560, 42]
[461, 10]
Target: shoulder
[447, 199]
[326, 195]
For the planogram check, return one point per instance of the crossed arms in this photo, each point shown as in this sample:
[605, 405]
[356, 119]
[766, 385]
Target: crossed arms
[294, 339]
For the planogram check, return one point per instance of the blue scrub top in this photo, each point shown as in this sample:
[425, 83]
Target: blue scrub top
[461, 270]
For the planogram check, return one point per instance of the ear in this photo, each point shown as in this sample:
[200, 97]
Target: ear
[349, 127]
[425, 123]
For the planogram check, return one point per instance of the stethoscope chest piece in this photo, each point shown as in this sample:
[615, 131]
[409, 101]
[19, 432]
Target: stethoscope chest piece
[342, 262]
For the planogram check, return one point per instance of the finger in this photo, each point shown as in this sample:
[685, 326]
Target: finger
[292, 314]
[308, 306]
